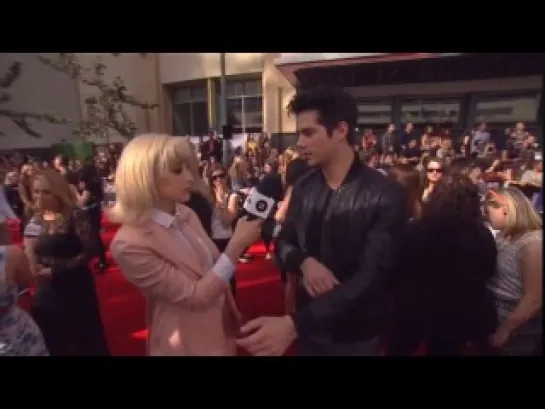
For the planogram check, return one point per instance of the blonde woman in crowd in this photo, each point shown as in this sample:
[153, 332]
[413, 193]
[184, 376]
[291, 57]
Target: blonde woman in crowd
[287, 156]
[518, 285]
[237, 173]
[163, 249]
[58, 242]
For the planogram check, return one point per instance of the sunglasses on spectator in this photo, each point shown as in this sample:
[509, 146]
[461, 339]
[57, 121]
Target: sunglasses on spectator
[435, 170]
[218, 176]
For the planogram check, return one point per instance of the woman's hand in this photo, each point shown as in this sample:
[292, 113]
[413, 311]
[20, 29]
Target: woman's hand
[247, 231]
[499, 338]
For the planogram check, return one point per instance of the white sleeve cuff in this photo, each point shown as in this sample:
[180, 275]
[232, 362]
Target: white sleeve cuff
[224, 268]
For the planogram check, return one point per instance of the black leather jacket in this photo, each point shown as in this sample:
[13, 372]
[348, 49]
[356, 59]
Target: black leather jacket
[358, 246]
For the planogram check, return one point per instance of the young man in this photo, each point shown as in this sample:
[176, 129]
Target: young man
[338, 238]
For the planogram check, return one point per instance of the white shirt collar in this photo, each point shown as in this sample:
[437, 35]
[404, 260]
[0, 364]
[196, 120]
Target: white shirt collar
[162, 218]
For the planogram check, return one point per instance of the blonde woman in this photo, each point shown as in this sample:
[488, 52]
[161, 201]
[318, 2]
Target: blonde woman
[518, 285]
[163, 249]
[287, 156]
[237, 173]
[57, 242]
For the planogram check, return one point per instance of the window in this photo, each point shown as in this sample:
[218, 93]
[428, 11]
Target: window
[234, 111]
[235, 89]
[200, 118]
[181, 95]
[244, 104]
[190, 111]
[431, 111]
[375, 113]
[507, 109]
[253, 111]
[253, 87]
[182, 119]
[198, 94]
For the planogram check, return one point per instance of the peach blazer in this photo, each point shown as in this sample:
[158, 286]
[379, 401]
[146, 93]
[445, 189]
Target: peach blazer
[189, 312]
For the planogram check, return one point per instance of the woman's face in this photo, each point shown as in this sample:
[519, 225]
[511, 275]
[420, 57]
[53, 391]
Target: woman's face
[176, 183]
[496, 214]
[27, 171]
[219, 178]
[476, 175]
[434, 171]
[267, 168]
[43, 197]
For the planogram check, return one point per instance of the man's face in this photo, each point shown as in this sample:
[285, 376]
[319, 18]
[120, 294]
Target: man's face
[315, 145]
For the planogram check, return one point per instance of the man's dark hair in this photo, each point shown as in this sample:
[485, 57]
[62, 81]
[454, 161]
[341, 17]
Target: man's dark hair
[295, 169]
[462, 166]
[333, 105]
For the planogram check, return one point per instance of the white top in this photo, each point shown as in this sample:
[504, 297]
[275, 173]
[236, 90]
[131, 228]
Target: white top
[223, 267]
[219, 230]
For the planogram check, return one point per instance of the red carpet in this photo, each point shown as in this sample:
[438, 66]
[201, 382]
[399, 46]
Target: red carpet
[259, 292]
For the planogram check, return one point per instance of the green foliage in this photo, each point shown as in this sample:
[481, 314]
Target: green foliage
[21, 119]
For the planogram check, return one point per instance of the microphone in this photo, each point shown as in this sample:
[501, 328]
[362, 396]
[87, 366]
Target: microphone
[261, 204]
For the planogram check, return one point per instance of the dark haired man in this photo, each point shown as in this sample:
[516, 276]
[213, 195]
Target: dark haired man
[338, 238]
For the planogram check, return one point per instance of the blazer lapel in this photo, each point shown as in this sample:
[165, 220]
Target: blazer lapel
[172, 250]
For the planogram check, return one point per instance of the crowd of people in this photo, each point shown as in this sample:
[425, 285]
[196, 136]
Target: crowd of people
[394, 242]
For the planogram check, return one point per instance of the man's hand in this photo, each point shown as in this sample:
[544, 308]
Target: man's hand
[317, 279]
[267, 336]
[43, 272]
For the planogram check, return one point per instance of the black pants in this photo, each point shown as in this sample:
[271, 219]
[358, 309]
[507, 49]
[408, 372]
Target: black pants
[221, 244]
[66, 310]
[95, 218]
[322, 347]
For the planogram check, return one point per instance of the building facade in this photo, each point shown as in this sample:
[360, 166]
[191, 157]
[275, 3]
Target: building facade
[424, 88]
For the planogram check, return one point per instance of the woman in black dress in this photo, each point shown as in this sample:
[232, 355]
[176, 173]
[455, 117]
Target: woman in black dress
[57, 242]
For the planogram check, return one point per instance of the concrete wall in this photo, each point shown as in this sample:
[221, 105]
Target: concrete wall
[140, 76]
[180, 67]
[43, 89]
[277, 92]
[39, 89]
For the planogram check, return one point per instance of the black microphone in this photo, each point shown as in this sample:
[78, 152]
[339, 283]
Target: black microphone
[261, 203]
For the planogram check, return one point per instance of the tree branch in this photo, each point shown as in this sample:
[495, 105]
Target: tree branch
[106, 110]
[21, 119]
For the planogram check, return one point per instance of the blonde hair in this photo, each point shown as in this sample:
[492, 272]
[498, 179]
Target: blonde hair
[286, 157]
[521, 216]
[199, 185]
[143, 160]
[237, 169]
[60, 189]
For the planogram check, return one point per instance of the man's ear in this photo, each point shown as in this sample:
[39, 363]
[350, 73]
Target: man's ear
[341, 131]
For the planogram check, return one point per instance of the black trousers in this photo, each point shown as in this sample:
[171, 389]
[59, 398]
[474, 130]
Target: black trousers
[95, 218]
[66, 310]
[221, 244]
